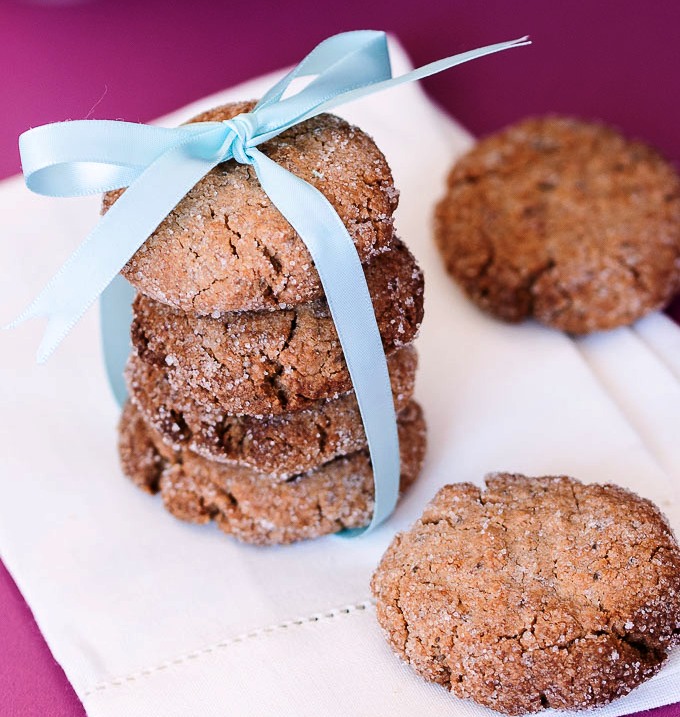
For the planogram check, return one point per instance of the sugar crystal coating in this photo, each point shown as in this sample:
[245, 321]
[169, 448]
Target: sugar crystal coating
[271, 362]
[241, 406]
[564, 221]
[281, 445]
[252, 506]
[533, 593]
[225, 247]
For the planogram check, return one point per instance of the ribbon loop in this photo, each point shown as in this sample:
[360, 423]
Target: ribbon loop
[159, 166]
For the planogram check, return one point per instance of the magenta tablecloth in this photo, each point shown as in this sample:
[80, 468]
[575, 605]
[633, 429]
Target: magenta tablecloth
[139, 59]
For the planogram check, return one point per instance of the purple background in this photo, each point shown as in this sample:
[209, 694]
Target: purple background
[138, 59]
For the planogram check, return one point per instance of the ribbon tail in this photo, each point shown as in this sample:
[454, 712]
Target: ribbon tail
[108, 247]
[115, 317]
[339, 268]
[80, 157]
[418, 74]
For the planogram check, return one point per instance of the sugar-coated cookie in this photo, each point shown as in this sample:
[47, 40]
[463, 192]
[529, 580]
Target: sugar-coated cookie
[283, 445]
[225, 247]
[533, 592]
[270, 362]
[252, 506]
[564, 221]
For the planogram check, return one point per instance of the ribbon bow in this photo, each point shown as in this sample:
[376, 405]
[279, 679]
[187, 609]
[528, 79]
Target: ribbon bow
[160, 165]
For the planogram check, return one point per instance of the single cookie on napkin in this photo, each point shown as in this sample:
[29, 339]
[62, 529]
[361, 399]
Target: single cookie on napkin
[564, 221]
[533, 592]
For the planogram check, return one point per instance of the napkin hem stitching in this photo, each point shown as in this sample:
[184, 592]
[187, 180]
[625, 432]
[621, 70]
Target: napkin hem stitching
[318, 617]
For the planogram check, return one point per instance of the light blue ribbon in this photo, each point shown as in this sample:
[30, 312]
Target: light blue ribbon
[160, 165]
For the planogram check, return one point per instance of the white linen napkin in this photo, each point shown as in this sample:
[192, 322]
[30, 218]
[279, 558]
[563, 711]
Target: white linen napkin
[149, 616]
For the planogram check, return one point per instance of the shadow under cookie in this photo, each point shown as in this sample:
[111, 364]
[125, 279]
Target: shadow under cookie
[252, 506]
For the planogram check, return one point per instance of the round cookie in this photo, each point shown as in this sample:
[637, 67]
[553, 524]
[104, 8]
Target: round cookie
[271, 362]
[249, 505]
[283, 445]
[225, 247]
[564, 221]
[533, 593]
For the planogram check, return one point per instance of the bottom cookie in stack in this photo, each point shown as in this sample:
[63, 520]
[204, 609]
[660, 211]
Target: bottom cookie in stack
[258, 507]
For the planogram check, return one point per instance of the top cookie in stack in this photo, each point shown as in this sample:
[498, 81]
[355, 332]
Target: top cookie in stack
[225, 247]
[242, 408]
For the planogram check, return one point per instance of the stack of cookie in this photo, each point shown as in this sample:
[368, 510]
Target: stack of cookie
[241, 407]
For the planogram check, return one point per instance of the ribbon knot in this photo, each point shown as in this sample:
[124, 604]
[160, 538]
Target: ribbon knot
[159, 166]
[242, 129]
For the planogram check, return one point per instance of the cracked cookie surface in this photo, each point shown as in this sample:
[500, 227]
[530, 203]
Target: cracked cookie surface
[251, 506]
[225, 247]
[282, 445]
[533, 593]
[564, 221]
[271, 362]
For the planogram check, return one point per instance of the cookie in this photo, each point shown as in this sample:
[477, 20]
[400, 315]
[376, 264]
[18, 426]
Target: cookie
[251, 506]
[225, 247]
[533, 593]
[283, 445]
[271, 362]
[564, 221]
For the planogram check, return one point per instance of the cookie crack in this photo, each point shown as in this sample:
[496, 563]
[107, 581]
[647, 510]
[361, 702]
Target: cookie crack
[273, 380]
[232, 231]
[188, 249]
[204, 289]
[575, 497]
[320, 514]
[322, 437]
[291, 333]
[277, 367]
[205, 347]
[533, 278]
[229, 437]
[522, 286]
[647, 651]
[400, 609]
